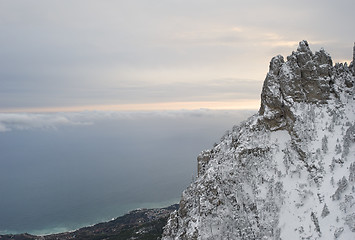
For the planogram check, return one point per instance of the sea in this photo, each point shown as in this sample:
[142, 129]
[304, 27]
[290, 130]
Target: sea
[63, 171]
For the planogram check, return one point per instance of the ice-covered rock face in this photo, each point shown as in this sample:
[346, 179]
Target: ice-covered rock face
[304, 77]
[288, 172]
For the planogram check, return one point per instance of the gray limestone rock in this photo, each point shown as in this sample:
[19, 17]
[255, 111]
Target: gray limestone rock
[304, 77]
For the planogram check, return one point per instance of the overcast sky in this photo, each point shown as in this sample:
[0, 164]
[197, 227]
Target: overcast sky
[161, 54]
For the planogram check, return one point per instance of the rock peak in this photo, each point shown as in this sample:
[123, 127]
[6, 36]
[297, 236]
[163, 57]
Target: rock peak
[304, 77]
[303, 46]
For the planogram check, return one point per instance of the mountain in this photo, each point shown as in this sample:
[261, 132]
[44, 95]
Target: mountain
[288, 172]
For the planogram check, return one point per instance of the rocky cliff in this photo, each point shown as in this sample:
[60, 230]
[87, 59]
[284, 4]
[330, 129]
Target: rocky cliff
[288, 172]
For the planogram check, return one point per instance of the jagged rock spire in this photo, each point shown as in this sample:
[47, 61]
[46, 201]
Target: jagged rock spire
[303, 46]
[304, 77]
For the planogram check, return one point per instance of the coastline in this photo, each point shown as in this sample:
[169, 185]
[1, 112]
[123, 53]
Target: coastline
[121, 212]
[61, 229]
[138, 223]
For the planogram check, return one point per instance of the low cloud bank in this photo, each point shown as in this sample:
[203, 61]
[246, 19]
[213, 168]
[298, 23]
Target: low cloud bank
[43, 121]
[27, 121]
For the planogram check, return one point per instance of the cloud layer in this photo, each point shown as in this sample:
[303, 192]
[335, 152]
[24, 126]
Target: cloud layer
[27, 121]
[53, 121]
[88, 52]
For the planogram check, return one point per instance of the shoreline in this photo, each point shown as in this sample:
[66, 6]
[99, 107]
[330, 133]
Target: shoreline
[129, 209]
[135, 221]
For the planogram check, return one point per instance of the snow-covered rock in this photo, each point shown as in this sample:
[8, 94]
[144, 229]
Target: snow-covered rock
[288, 172]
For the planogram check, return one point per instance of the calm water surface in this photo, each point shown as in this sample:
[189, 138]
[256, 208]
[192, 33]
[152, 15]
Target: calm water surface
[68, 176]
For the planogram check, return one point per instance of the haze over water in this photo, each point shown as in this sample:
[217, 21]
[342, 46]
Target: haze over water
[63, 171]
